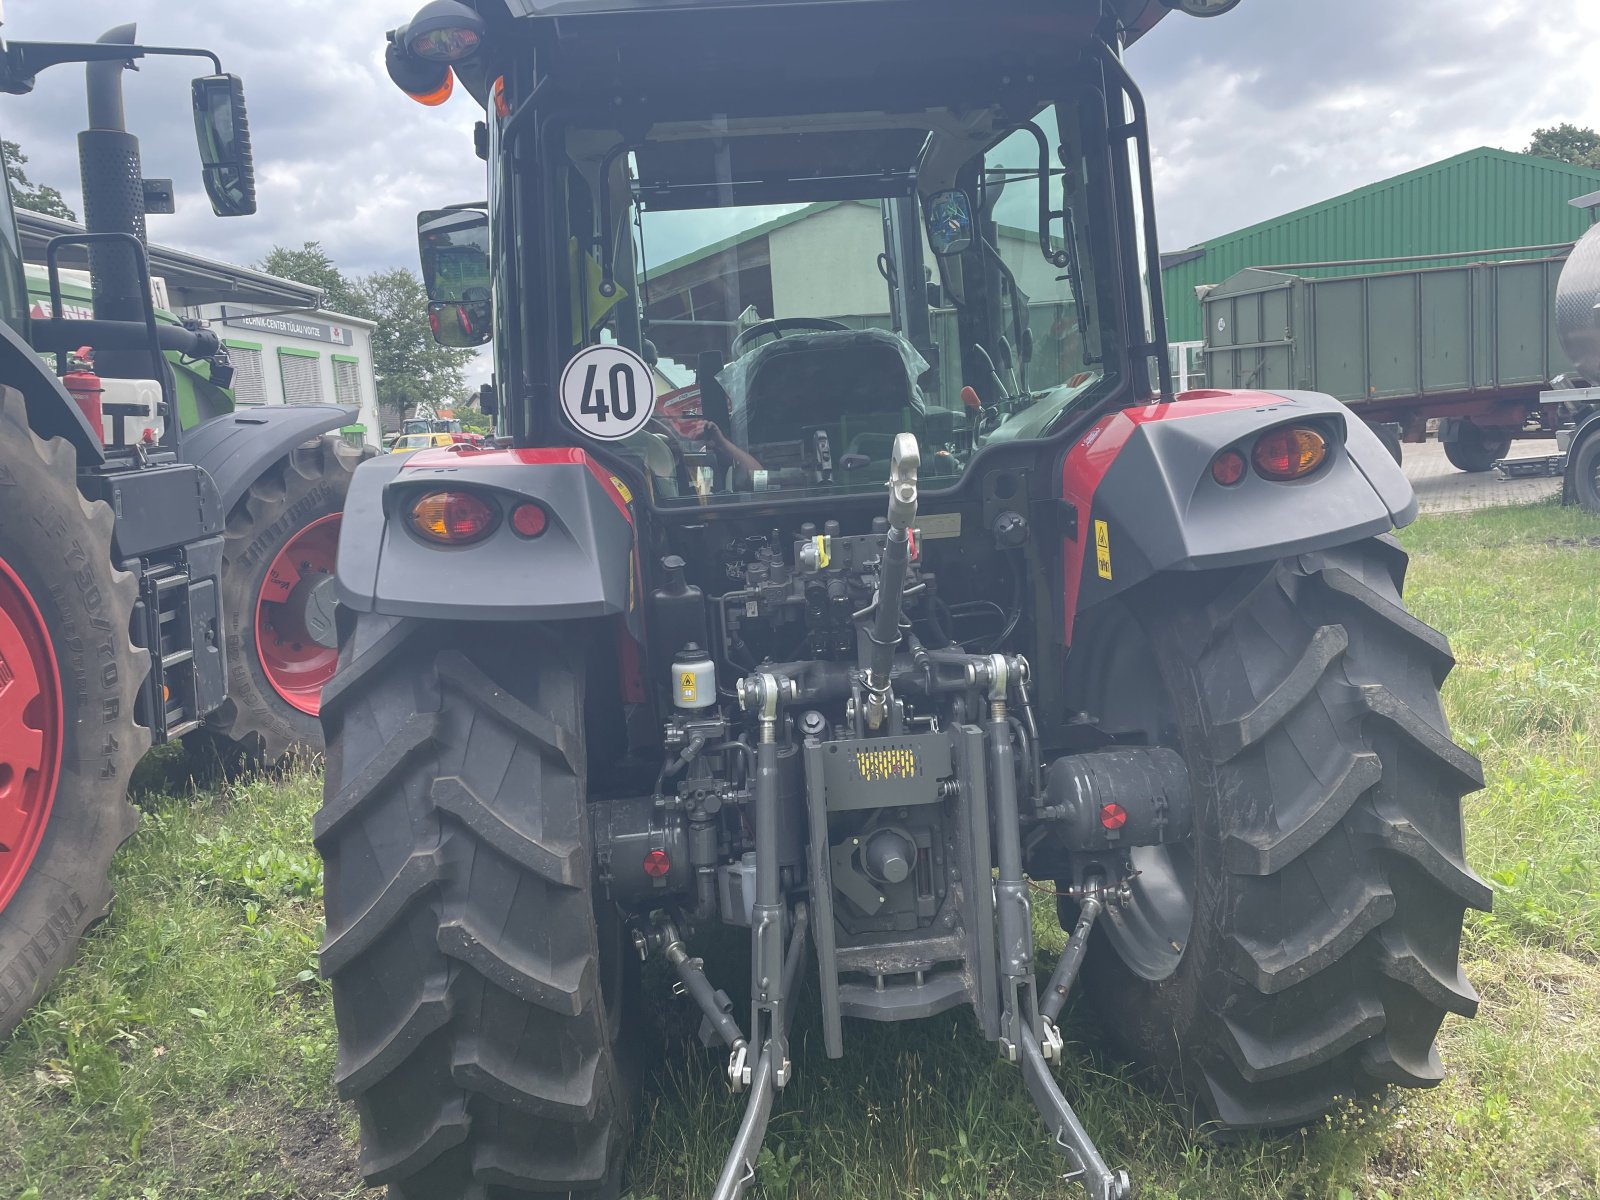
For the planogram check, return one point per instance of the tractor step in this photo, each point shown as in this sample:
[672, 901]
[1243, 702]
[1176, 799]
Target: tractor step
[1532, 468]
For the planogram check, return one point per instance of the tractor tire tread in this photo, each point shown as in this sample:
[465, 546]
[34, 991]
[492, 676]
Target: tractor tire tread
[462, 940]
[1326, 952]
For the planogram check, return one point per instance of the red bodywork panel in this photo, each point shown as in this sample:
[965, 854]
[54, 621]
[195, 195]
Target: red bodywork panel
[1088, 461]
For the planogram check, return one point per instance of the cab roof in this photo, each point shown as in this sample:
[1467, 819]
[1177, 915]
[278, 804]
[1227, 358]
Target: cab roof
[1138, 17]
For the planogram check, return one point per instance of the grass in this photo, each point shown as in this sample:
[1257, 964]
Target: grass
[189, 1053]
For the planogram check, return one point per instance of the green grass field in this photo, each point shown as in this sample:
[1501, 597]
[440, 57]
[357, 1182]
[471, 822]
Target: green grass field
[189, 1053]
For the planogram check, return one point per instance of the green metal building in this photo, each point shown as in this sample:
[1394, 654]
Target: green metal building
[1484, 199]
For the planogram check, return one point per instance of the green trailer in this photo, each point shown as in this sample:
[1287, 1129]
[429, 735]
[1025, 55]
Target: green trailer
[1472, 345]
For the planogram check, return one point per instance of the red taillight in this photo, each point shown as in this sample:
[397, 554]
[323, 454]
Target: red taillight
[529, 519]
[453, 518]
[657, 864]
[1289, 453]
[1227, 468]
[1113, 816]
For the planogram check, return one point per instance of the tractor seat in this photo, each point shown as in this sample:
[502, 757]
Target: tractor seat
[851, 382]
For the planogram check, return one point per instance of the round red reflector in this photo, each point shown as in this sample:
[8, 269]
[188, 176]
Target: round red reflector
[1227, 468]
[454, 518]
[529, 519]
[1113, 816]
[657, 864]
[1289, 453]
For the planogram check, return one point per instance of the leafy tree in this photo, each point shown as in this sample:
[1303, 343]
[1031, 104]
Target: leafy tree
[1567, 143]
[311, 264]
[24, 194]
[472, 421]
[410, 366]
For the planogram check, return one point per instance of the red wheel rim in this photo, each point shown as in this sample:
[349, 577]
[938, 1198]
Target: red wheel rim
[296, 664]
[30, 731]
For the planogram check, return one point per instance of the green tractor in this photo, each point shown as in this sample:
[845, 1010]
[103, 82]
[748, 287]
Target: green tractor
[166, 564]
[919, 588]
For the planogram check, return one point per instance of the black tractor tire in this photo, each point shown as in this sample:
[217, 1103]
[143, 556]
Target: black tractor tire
[477, 987]
[1476, 449]
[1585, 472]
[256, 724]
[1329, 880]
[58, 547]
[1388, 433]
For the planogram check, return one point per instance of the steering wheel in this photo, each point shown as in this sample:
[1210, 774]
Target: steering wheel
[779, 326]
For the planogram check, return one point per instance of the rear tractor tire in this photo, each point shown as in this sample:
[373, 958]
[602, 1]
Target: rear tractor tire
[1302, 947]
[1477, 449]
[478, 987]
[277, 590]
[68, 679]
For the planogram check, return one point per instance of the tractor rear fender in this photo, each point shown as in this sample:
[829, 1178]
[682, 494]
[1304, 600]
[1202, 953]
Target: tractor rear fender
[581, 565]
[237, 447]
[1141, 498]
[51, 410]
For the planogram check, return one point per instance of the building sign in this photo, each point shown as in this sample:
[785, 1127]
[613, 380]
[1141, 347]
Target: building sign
[290, 325]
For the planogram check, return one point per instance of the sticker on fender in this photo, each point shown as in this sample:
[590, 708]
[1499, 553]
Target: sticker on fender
[1102, 549]
[608, 392]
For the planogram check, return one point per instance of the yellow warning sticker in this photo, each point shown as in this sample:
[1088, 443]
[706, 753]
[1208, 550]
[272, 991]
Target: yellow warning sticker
[878, 766]
[688, 688]
[823, 549]
[1102, 549]
[622, 490]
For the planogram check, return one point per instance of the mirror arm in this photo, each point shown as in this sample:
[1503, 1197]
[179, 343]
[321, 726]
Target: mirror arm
[606, 251]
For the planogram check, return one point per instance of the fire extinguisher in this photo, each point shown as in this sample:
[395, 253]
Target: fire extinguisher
[84, 387]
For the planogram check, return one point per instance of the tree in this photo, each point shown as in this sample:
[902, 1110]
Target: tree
[311, 265]
[1567, 143]
[411, 368]
[472, 421]
[43, 198]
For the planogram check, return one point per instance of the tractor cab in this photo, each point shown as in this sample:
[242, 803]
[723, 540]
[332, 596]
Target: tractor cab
[931, 227]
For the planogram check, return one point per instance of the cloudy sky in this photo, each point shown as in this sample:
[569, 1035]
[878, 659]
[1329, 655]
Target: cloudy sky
[1279, 104]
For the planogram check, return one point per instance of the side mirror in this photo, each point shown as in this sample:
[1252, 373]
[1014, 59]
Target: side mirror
[461, 323]
[949, 222]
[223, 132]
[454, 247]
[456, 270]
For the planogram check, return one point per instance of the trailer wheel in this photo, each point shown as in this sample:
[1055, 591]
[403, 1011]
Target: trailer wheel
[1585, 471]
[277, 591]
[478, 986]
[1302, 946]
[69, 676]
[1476, 449]
[1388, 432]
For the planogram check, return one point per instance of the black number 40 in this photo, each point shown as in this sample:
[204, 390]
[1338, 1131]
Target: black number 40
[624, 399]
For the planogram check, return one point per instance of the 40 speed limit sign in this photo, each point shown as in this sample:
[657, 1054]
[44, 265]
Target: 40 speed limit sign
[608, 392]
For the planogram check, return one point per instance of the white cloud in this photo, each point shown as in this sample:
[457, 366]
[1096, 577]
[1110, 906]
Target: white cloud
[1276, 105]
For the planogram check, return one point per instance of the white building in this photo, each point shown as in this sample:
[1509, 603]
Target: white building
[283, 349]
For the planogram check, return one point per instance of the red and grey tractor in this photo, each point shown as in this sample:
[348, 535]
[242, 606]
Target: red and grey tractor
[920, 589]
[166, 563]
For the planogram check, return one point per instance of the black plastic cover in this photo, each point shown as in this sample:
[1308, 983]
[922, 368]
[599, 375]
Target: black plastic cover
[236, 448]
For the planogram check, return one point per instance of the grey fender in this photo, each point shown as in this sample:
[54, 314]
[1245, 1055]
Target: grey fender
[236, 448]
[582, 565]
[51, 410]
[1163, 511]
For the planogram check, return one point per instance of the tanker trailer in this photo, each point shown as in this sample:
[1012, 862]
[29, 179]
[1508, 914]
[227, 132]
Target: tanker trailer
[1574, 403]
